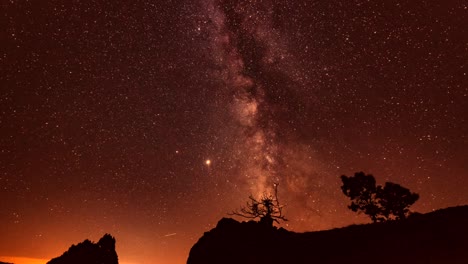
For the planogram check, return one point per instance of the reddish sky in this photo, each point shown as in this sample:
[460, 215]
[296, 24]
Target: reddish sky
[109, 111]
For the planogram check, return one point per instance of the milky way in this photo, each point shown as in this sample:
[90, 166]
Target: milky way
[151, 120]
[241, 47]
[257, 70]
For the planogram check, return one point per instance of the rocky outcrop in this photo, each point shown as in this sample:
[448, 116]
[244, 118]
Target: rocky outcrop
[437, 237]
[102, 252]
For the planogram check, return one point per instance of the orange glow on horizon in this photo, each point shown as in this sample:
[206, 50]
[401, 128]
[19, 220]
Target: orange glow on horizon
[23, 260]
[26, 260]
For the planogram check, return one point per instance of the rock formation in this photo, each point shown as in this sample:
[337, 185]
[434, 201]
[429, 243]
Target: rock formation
[87, 252]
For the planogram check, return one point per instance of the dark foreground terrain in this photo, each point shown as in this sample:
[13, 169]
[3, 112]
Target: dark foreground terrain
[433, 238]
[87, 252]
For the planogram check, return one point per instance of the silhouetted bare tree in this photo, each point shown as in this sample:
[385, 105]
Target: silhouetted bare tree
[380, 203]
[268, 209]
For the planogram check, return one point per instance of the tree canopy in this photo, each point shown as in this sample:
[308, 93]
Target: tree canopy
[392, 201]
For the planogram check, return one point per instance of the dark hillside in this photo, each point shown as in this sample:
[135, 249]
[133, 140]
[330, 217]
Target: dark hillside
[433, 238]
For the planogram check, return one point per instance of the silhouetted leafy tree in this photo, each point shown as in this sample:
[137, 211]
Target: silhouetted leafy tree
[362, 191]
[395, 200]
[380, 203]
[268, 209]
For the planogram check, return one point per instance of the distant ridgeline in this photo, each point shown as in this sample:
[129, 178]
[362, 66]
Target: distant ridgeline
[439, 237]
[87, 252]
[5, 262]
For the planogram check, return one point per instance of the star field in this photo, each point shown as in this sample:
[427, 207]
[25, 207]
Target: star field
[151, 120]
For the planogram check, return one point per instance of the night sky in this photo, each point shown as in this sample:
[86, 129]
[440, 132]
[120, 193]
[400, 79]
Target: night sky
[151, 120]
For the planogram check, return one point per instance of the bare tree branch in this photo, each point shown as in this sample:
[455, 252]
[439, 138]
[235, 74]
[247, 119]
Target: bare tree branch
[267, 209]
